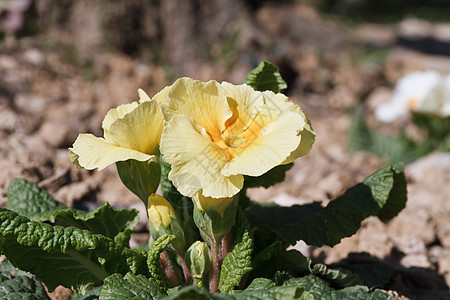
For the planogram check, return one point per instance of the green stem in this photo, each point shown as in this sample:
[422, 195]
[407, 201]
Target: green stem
[214, 270]
[89, 264]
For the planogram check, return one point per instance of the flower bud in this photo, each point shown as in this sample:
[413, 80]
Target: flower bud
[163, 220]
[159, 211]
[198, 261]
[213, 217]
[208, 203]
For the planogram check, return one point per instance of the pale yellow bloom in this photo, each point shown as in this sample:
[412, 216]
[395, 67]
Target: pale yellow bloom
[216, 133]
[206, 203]
[131, 131]
[160, 211]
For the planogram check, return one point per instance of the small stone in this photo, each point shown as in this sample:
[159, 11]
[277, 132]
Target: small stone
[30, 103]
[416, 260]
[55, 134]
[34, 56]
[8, 119]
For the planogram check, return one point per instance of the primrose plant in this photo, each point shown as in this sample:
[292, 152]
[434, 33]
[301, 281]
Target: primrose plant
[204, 144]
[423, 97]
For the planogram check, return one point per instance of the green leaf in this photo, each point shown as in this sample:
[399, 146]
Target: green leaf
[381, 194]
[153, 262]
[64, 256]
[238, 261]
[117, 224]
[362, 138]
[92, 294]
[318, 289]
[196, 293]
[273, 176]
[266, 77]
[19, 285]
[140, 177]
[263, 288]
[27, 199]
[130, 286]
[259, 289]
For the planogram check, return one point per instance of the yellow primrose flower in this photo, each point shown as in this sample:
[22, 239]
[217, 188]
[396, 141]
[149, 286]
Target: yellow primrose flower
[131, 131]
[214, 134]
[206, 203]
[159, 211]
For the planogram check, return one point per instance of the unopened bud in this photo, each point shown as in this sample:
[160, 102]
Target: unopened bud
[198, 261]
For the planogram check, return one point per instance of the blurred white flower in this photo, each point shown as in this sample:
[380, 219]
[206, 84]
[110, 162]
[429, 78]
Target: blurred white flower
[417, 91]
[438, 101]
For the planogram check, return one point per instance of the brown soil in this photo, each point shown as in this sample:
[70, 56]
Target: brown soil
[90, 58]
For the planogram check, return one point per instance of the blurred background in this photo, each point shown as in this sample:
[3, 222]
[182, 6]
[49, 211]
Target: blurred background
[64, 64]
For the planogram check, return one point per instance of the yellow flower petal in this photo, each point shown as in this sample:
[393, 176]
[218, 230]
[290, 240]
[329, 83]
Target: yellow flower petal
[245, 104]
[279, 103]
[308, 137]
[204, 102]
[196, 161]
[143, 96]
[159, 211]
[117, 113]
[139, 129]
[206, 203]
[275, 143]
[162, 95]
[91, 152]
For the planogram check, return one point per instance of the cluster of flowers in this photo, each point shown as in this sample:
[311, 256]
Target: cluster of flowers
[211, 134]
[423, 91]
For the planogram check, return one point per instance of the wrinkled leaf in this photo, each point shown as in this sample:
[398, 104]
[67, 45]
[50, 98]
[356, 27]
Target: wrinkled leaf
[259, 289]
[318, 289]
[381, 194]
[153, 261]
[130, 286]
[238, 261]
[64, 256]
[19, 285]
[266, 77]
[92, 294]
[337, 277]
[27, 199]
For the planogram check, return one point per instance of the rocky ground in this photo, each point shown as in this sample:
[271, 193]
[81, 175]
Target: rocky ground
[56, 84]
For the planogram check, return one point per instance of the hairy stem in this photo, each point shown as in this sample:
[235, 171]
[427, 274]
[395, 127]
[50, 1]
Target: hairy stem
[226, 244]
[168, 268]
[186, 273]
[214, 271]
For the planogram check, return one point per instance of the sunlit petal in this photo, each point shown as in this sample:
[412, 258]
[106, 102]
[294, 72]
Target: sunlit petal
[116, 113]
[245, 104]
[275, 143]
[204, 102]
[139, 129]
[162, 95]
[196, 161]
[206, 203]
[92, 152]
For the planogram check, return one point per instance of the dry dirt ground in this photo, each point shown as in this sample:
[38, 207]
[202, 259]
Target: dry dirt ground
[46, 99]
